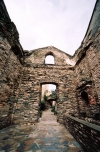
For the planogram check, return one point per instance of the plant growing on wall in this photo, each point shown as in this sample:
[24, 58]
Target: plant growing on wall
[43, 103]
[53, 110]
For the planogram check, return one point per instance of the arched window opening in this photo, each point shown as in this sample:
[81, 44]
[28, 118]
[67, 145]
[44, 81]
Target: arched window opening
[49, 59]
[84, 96]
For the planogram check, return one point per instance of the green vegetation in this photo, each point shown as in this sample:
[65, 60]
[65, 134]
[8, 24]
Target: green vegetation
[45, 99]
[42, 105]
[53, 110]
[40, 113]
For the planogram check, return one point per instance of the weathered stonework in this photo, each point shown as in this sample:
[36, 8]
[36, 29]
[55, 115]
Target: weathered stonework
[77, 78]
[10, 76]
[36, 74]
[10, 67]
[87, 134]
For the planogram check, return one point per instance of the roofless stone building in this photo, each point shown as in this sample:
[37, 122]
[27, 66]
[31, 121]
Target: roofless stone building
[77, 80]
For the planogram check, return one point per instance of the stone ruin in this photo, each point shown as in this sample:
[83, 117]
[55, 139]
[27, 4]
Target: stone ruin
[77, 80]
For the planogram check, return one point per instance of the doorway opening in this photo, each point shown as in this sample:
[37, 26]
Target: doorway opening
[48, 97]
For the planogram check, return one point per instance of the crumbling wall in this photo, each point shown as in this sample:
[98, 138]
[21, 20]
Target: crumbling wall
[22, 74]
[87, 69]
[87, 134]
[21, 84]
[88, 72]
[38, 56]
[36, 73]
[10, 75]
[87, 90]
[10, 67]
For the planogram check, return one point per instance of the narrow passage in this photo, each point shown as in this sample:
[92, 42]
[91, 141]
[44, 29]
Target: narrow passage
[46, 136]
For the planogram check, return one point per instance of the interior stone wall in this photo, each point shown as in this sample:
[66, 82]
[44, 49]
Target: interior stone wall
[23, 72]
[38, 56]
[36, 72]
[87, 69]
[10, 67]
[10, 75]
[88, 76]
[87, 134]
[93, 56]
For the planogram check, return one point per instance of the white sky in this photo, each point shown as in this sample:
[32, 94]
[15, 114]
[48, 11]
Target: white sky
[52, 87]
[49, 59]
[60, 23]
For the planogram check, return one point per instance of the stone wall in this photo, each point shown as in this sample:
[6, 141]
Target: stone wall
[36, 73]
[88, 76]
[87, 69]
[10, 67]
[38, 56]
[87, 134]
[22, 74]
[10, 75]
[25, 72]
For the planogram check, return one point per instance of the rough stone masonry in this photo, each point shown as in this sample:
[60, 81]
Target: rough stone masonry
[22, 73]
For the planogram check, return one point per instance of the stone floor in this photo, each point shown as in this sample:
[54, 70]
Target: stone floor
[46, 136]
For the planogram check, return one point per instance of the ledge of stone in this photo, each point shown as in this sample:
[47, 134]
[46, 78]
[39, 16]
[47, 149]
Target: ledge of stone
[49, 66]
[93, 126]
